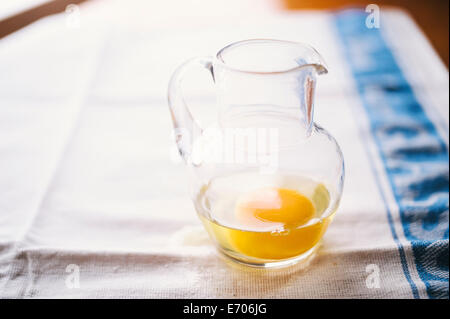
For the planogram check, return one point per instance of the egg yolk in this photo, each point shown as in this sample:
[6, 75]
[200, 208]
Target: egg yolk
[271, 209]
[274, 207]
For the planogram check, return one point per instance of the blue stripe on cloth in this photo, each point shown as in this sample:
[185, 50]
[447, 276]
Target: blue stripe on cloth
[413, 154]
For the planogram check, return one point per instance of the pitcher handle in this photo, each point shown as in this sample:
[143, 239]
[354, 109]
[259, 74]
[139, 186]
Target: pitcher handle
[186, 129]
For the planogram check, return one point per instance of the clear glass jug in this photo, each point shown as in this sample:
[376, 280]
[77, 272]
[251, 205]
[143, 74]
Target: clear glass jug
[266, 179]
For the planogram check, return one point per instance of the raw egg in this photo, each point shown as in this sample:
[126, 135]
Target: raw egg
[270, 207]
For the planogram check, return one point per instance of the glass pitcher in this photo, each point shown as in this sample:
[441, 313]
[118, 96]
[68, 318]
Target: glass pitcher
[266, 180]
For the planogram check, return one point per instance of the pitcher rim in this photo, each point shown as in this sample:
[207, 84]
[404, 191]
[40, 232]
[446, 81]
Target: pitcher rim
[321, 68]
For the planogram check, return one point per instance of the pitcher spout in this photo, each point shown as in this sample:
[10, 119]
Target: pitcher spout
[320, 68]
[309, 57]
[310, 64]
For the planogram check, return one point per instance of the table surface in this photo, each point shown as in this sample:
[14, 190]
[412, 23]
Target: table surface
[432, 16]
[91, 188]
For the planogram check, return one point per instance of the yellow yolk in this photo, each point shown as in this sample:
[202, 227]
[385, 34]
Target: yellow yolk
[274, 206]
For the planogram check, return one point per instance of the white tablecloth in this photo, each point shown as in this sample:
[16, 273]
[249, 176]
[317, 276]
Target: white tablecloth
[89, 185]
